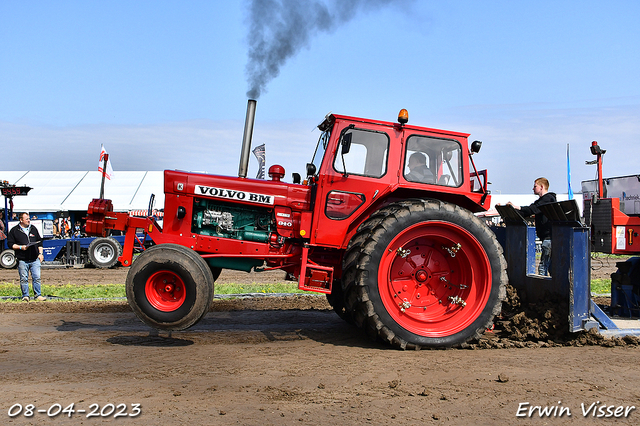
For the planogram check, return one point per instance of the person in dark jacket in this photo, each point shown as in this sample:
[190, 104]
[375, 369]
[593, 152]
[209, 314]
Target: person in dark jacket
[25, 240]
[543, 225]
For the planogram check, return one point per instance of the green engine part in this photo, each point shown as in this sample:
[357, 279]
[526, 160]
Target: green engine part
[229, 220]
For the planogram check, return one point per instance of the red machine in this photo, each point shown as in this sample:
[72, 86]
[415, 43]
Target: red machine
[612, 207]
[612, 210]
[395, 246]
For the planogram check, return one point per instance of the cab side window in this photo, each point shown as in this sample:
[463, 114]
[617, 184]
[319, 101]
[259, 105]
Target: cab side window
[367, 154]
[434, 161]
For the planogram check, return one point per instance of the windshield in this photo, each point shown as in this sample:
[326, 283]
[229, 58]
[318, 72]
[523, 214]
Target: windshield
[321, 148]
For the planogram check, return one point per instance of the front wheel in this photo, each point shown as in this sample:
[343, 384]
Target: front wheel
[428, 274]
[104, 252]
[8, 259]
[169, 287]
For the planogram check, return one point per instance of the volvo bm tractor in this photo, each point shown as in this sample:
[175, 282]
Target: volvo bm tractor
[383, 223]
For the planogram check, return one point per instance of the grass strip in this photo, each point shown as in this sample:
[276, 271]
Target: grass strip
[596, 255]
[69, 291]
[601, 285]
[232, 288]
[109, 291]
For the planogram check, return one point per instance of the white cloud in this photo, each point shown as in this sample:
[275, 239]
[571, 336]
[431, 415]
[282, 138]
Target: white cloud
[522, 144]
[199, 145]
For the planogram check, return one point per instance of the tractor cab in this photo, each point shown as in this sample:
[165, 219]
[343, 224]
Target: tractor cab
[360, 165]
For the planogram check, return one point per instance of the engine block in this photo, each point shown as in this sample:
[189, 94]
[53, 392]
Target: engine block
[229, 220]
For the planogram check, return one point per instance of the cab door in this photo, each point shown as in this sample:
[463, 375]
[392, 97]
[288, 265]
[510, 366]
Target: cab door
[352, 176]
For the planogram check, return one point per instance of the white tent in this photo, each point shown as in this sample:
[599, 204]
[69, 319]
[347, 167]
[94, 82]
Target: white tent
[74, 190]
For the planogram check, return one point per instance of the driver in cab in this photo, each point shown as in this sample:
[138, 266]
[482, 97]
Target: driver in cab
[418, 170]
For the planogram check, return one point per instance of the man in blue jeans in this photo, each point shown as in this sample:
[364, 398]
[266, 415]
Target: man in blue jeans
[543, 225]
[25, 240]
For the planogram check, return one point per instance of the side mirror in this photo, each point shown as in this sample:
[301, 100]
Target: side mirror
[296, 178]
[475, 147]
[346, 143]
[311, 169]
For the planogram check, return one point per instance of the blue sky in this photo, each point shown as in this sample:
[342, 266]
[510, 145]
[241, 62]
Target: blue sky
[163, 85]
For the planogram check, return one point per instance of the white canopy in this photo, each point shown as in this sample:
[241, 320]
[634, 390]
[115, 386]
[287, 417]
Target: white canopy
[74, 190]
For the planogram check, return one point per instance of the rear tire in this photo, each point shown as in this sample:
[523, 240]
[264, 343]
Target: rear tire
[8, 259]
[104, 252]
[337, 301]
[343, 299]
[170, 287]
[414, 286]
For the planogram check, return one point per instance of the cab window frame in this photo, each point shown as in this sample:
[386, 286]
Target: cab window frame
[456, 182]
[384, 163]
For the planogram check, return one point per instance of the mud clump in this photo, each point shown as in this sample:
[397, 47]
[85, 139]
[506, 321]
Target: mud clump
[544, 323]
[544, 320]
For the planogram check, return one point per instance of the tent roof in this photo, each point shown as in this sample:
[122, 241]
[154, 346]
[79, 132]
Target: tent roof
[74, 190]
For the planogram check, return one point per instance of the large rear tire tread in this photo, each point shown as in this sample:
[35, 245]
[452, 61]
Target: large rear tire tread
[336, 300]
[342, 299]
[361, 262]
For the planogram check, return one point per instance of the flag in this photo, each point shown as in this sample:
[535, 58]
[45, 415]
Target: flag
[109, 172]
[259, 152]
[569, 191]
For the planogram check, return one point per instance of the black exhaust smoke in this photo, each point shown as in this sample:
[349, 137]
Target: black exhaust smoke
[279, 29]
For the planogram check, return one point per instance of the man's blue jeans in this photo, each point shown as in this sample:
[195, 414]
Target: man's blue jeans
[23, 269]
[545, 258]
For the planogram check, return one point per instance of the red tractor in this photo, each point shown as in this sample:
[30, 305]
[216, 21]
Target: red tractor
[383, 224]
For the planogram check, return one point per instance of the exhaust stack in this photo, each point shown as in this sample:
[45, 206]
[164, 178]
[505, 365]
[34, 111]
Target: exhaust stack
[246, 139]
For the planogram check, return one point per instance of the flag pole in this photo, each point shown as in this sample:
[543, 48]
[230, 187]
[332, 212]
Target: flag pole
[569, 190]
[104, 172]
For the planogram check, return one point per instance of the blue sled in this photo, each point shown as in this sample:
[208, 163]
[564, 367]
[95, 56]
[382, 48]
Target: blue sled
[570, 280]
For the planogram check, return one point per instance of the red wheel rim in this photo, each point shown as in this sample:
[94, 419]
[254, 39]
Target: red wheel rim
[431, 286]
[165, 291]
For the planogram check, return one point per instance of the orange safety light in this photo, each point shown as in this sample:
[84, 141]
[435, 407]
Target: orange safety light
[403, 116]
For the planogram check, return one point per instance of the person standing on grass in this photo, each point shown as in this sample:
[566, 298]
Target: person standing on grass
[25, 240]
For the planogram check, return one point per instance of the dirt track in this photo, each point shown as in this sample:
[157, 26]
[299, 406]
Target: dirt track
[281, 361]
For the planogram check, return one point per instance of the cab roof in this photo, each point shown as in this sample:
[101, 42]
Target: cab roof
[333, 117]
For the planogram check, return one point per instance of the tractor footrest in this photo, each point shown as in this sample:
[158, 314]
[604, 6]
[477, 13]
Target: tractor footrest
[316, 278]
